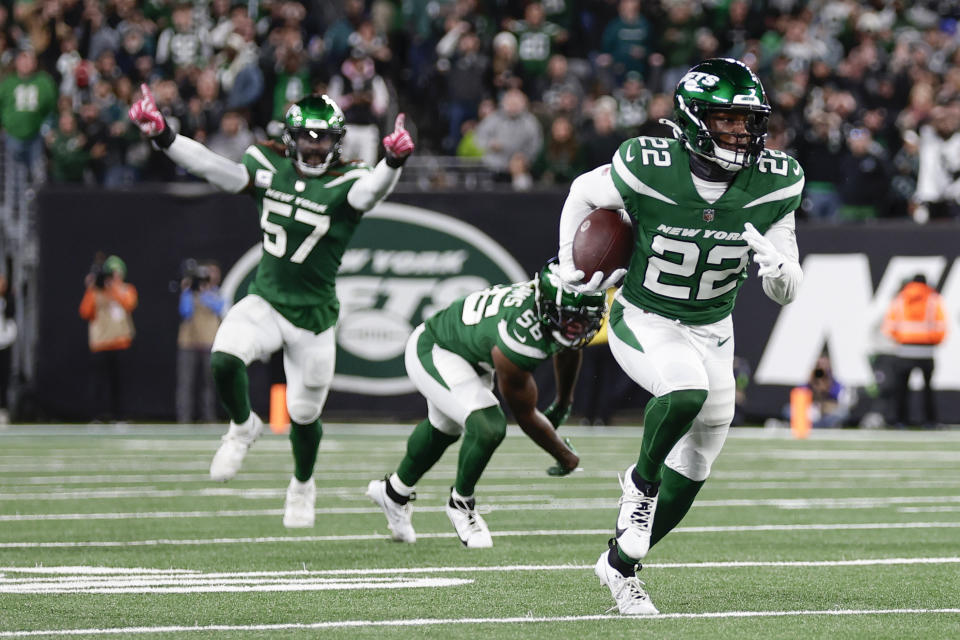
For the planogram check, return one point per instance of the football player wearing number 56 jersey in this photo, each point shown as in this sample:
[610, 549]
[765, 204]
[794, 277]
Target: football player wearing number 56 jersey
[503, 332]
[310, 203]
[700, 204]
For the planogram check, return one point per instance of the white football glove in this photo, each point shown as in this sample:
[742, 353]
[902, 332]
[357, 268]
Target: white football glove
[764, 253]
[573, 277]
[567, 272]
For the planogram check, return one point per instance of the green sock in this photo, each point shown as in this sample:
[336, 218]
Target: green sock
[424, 447]
[233, 385]
[305, 439]
[665, 420]
[676, 495]
[484, 431]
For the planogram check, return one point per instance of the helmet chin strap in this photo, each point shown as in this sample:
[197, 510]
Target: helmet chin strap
[707, 169]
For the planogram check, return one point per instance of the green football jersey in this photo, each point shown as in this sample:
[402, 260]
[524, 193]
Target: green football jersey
[535, 45]
[307, 223]
[690, 259]
[504, 316]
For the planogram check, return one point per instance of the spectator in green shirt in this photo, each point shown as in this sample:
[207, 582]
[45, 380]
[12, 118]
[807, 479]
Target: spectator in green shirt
[28, 98]
[69, 152]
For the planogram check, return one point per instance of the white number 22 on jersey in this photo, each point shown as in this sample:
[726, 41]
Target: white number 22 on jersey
[689, 253]
[275, 236]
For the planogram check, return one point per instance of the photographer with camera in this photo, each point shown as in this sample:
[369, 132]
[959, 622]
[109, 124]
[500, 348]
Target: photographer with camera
[106, 306]
[831, 399]
[201, 307]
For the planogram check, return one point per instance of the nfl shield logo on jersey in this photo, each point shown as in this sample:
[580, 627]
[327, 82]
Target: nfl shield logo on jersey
[708, 215]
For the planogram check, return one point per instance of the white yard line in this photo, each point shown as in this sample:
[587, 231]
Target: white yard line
[543, 504]
[60, 580]
[191, 584]
[136, 572]
[791, 478]
[500, 534]
[422, 622]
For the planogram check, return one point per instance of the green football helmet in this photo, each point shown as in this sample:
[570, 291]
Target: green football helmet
[572, 318]
[715, 87]
[313, 130]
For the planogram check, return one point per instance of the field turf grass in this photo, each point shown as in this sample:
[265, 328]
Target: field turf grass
[117, 532]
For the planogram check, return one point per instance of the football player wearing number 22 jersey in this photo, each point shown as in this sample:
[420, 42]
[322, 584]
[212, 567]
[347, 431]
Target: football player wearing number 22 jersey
[310, 203]
[700, 205]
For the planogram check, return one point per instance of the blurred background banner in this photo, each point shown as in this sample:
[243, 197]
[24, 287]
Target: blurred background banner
[422, 250]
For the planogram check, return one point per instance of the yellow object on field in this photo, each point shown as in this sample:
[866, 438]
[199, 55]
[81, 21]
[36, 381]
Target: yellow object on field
[279, 417]
[800, 400]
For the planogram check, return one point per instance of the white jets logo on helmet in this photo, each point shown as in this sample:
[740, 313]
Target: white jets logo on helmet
[698, 81]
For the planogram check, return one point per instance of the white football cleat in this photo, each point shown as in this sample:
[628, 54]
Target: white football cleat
[628, 593]
[298, 510]
[471, 528]
[234, 446]
[398, 515]
[635, 520]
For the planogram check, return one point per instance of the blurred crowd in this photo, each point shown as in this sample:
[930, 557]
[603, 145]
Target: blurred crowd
[866, 93]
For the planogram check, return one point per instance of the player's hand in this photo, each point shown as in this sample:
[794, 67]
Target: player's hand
[573, 464]
[764, 253]
[573, 277]
[398, 145]
[565, 267]
[145, 115]
[557, 414]
[597, 282]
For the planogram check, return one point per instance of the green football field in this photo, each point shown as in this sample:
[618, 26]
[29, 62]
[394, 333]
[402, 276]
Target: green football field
[117, 532]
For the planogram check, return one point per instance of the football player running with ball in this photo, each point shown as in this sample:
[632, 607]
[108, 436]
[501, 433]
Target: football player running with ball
[700, 205]
[503, 332]
[310, 202]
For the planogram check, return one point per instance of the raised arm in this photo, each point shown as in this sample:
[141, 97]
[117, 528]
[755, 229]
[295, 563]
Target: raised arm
[519, 390]
[368, 191]
[186, 152]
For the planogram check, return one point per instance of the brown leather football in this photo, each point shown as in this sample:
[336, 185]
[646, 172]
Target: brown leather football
[603, 242]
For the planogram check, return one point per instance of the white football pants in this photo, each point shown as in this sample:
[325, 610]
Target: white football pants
[253, 329]
[663, 355]
[452, 387]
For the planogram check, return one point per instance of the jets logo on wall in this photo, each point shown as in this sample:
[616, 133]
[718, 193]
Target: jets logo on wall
[403, 265]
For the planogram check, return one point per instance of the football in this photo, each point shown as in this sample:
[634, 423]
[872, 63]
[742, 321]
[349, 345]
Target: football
[603, 242]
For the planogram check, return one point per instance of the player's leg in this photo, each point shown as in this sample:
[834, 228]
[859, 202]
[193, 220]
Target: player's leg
[429, 440]
[309, 360]
[662, 356]
[458, 400]
[688, 465]
[248, 332]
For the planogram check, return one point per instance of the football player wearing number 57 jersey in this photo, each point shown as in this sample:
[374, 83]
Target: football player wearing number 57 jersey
[701, 204]
[309, 202]
[501, 333]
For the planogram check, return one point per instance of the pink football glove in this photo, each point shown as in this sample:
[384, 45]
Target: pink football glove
[144, 114]
[398, 145]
